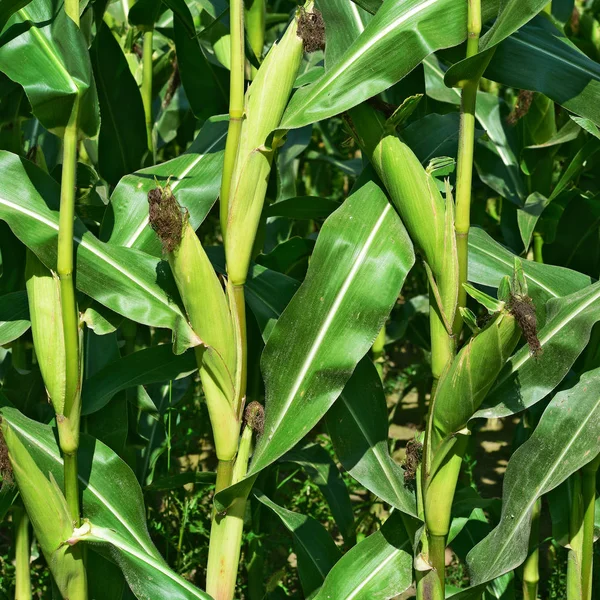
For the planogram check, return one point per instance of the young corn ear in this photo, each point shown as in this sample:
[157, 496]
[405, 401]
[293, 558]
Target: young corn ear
[49, 515]
[207, 308]
[266, 100]
[466, 383]
[43, 295]
[428, 217]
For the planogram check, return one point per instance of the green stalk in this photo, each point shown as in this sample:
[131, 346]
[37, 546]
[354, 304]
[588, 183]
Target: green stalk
[538, 243]
[531, 571]
[574, 570]
[147, 85]
[236, 106]
[68, 422]
[226, 530]
[22, 555]
[464, 175]
[378, 350]
[588, 474]
[255, 30]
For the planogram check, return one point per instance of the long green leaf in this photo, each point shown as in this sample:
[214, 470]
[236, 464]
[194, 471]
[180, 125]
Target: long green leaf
[127, 281]
[373, 63]
[307, 361]
[564, 441]
[315, 548]
[527, 379]
[151, 365]
[525, 59]
[319, 466]
[111, 495]
[42, 44]
[122, 142]
[194, 178]
[147, 576]
[358, 426]
[378, 568]
[489, 262]
[344, 22]
[14, 316]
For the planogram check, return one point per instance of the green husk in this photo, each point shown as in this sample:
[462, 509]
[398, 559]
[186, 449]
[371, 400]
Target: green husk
[208, 311]
[43, 294]
[49, 515]
[266, 100]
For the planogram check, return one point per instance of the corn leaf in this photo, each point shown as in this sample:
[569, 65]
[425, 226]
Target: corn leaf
[111, 495]
[127, 281]
[372, 63]
[378, 568]
[40, 43]
[315, 548]
[194, 178]
[526, 379]
[358, 426]
[14, 316]
[122, 141]
[307, 361]
[565, 440]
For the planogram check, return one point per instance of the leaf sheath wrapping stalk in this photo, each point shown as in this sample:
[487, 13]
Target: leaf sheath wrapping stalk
[43, 294]
[266, 100]
[49, 515]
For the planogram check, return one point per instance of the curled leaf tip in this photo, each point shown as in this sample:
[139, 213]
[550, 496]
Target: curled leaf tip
[6, 471]
[311, 30]
[254, 416]
[166, 217]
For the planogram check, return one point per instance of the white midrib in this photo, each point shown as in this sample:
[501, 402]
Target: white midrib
[551, 333]
[89, 487]
[356, 15]
[329, 319]
[49, 52]
[101, 255]
[106, 535]
[363, 49]
[375, 448]
[136, 234]
[374, 573]
[525, 513]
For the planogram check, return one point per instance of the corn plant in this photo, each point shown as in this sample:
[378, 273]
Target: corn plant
[238, 240]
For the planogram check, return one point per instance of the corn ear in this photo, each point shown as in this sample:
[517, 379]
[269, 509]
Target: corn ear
[49, 515]
[207, 309]
[43, 295]
[465, 384]
[265, 102]
[428, 218]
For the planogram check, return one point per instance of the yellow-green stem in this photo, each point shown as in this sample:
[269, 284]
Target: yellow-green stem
[22, 555]
[588, 490]
[226, 530]
[531, 572]
[236, 106]
[147, 86]
[538, 243]
[68, 422]
[464, 175]
[574, 571]
[255, 30]
[378, 350]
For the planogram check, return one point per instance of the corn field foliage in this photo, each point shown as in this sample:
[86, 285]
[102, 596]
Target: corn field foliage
[299, 300]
